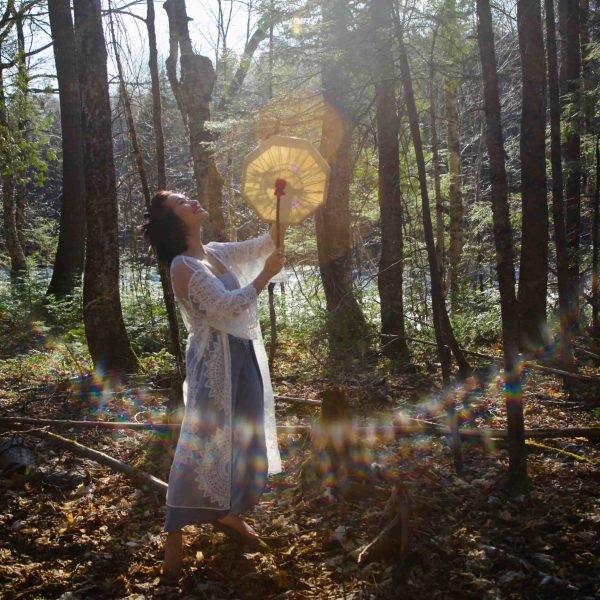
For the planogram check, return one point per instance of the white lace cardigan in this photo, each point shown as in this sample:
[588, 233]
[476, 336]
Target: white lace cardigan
[211, 312]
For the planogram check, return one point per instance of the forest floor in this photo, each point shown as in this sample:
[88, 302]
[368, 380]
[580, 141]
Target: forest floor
[101, 537]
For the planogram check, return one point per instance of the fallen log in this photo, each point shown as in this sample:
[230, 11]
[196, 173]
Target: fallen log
[414, 427]
[138, 477]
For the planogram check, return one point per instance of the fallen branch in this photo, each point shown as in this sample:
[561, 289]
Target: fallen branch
[138, 477]
[582, 350]
[527, 363]
[561, 373]
[290, 399]
[401, 431]
[66, 424]
[559, 451]
[411, 339]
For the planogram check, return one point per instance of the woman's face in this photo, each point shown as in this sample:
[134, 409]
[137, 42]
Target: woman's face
[190, 212]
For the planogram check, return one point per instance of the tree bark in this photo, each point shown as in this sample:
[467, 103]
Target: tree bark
[504, 248]
[391, 264]
[558, 213]
[69, 259]
[105, 330]
[18, 264]
[193, 92]
[20, 203]
[533, 273]
[346, 323]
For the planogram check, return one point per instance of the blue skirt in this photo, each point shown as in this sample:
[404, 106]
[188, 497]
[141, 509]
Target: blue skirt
[249, 459]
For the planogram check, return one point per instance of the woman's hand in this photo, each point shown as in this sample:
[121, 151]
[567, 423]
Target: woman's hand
[274, 263]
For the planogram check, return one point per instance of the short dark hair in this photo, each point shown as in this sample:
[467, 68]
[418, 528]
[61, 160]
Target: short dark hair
[163, 230]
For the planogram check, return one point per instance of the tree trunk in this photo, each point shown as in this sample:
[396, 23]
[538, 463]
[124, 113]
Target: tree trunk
[435, 158]
[22, 88]
[588, 104]
[20, 202]
[504, 248]
[437, 297]
[570, 72]
[161, 179]
[558, 214]
[68, 262]
[391, 264]
[261, 32]
[105, 330]
[159, 140]
[596, 247]
[449, 341]
[18, 264]
[346, 323]
[273, 324]
[139, 161]
[15, 251]
[455, 203]
[533, 274]
[193, 91]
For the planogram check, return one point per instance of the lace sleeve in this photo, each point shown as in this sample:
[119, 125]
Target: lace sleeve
[206, 294]
[239, 254]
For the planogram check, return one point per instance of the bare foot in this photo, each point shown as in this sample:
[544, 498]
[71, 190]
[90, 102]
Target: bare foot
[239, 525]
[173, 555]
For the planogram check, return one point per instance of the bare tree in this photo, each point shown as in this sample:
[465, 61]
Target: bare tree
[558, 211]
[68, 263]
[13, 245]
[444, 336]
[569, 81]
[139, 162]
[193, 92]
[504, 248]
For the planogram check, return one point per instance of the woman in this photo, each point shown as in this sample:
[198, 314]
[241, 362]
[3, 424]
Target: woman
[228, 432]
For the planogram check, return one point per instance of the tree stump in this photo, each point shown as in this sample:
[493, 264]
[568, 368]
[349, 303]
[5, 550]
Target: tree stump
[392, 540]
[339, 461]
